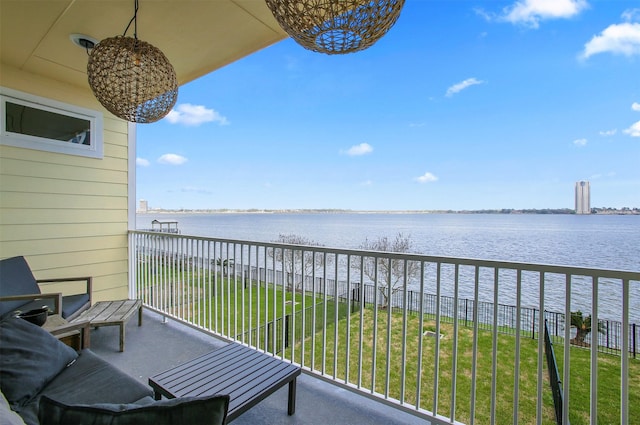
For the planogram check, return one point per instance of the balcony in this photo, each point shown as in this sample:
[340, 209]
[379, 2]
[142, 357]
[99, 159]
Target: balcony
[393, 338]
[160, 345]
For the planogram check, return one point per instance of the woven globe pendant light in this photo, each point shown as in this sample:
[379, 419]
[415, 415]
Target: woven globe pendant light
[336, 26]
[131, 78]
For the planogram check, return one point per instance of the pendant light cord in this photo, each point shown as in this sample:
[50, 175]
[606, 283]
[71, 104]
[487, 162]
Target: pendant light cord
[134, 20]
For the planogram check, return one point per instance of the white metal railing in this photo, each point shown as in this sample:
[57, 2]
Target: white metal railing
[345, 316]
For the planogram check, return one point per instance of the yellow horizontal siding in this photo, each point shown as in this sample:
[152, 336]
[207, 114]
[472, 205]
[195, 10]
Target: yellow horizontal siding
[91, 261]
[58, 231]
[20, 161]
[113, 281]
[71, 246]
[67, 214]
[107, 267]
[66, 187]
[56, 200]
[102, 263]
[114, 126]
[115, 151]
[105, 286]
[119, 293]
[59, 216]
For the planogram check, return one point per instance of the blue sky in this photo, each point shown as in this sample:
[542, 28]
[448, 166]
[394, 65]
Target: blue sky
[462, 105]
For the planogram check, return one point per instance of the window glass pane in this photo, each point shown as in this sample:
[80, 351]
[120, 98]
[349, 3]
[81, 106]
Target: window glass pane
[23, 119]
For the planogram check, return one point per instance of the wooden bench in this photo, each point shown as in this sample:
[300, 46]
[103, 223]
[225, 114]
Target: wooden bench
[112, 313]
[246, 375]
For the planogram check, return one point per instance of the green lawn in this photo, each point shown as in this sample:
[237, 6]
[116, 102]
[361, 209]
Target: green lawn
[608, 371]
[608, 386]
[215, 302]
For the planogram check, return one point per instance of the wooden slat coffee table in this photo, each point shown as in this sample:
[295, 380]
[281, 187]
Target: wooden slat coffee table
[112, 313]
[246, 375]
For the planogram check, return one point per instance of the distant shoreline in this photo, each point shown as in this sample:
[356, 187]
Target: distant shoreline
[565, 211]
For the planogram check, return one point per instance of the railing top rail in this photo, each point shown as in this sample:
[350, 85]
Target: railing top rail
[482, 263]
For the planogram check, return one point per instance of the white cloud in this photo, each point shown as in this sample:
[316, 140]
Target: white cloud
[580, 142]
[631, 15]
[366, 183]
[172, 159]
[486, 15]
[194, 115]
[142, 162]
[623, 39]
[600, 175]
[426, 178]
[361, 149]
[608, 133]
[634, 130]
[291, 63]
[531, 12]
[456, 88]
[193, 189]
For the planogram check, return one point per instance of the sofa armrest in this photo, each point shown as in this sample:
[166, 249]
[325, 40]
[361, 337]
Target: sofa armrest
[87, 279]
[84, 326]
[55, 296]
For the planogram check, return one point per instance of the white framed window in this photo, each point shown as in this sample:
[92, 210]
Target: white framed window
[34, 122]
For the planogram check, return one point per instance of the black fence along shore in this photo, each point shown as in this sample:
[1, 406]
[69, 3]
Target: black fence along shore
[609, 338]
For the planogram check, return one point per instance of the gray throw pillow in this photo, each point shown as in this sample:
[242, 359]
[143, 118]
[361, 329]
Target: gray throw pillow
[30, 358]
[210, 410]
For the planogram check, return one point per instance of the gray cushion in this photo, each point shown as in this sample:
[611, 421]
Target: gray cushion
[30, 357]
[70, 304]
[73, 303]
[16, 279]
[190, 410]
[89, 380]
[8, 416]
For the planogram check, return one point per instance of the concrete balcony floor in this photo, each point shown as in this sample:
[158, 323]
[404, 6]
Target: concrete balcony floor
[157, 346]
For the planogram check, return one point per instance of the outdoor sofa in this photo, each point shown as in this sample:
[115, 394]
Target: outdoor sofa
[43, 381]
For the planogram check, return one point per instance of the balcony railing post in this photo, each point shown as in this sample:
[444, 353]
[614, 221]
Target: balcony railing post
[286, 330]
[635, 340]
[466, 312]
[533, 325]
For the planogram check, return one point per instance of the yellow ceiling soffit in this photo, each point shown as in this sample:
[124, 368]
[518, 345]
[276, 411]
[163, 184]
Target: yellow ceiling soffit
[197, 36]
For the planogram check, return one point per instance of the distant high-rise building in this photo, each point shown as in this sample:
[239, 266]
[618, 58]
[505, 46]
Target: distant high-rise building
[144, 206]
[583, 198]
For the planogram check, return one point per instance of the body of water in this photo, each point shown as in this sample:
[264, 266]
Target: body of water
[600, 241]
[594, 241]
